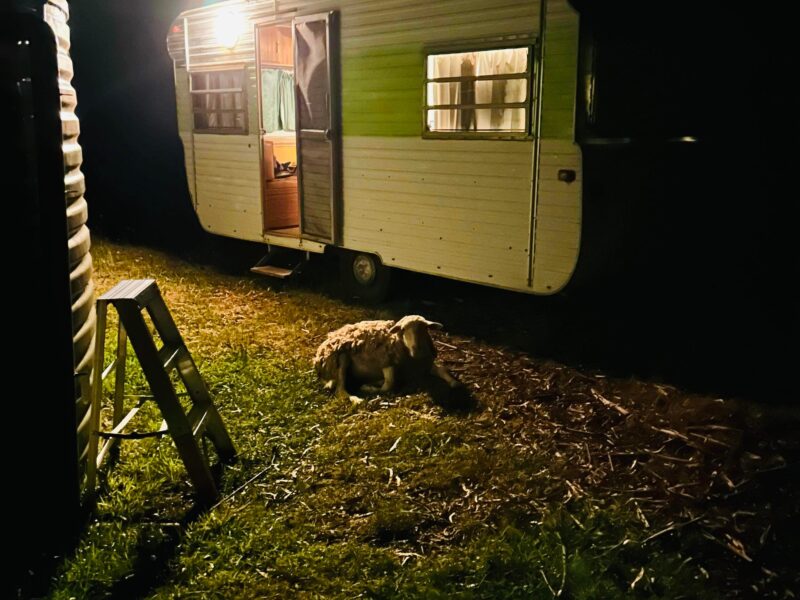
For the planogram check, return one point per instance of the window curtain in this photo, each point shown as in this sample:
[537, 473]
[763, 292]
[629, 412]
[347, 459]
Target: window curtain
[491, 62]
[286, 100]
[277, 98]
[445, 65]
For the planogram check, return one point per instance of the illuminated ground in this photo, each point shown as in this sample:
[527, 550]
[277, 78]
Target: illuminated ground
[546, 482]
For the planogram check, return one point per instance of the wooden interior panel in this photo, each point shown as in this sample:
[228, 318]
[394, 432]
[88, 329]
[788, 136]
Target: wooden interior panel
[276, 46]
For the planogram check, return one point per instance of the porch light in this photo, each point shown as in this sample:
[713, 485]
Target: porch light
[228, 27]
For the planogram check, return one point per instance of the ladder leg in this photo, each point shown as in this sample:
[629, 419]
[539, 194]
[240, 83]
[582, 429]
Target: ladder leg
[167, 400]
[119, 373]
[219, 436]
[197, 468]
[119, 382]
[191, 377]
[97, 395]
[165, 324]
[198, 390]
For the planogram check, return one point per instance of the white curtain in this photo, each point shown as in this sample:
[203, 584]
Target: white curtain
[489, 62]
[444, 65]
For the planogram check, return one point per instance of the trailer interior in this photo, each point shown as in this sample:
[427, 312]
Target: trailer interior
[278, 136]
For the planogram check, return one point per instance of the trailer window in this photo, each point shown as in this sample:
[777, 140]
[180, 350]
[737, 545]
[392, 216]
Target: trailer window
[478, 94]
[219, 102]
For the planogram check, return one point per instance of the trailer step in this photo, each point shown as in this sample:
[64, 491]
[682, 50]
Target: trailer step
[280, 263]
[272, 271]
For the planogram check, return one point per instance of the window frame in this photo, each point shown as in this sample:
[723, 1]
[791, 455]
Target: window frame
[530, 105]
[208, 72]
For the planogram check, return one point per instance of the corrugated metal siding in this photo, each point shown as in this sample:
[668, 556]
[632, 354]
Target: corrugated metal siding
[558, 212]
[56, 13]
[447, 207]
[228, 185]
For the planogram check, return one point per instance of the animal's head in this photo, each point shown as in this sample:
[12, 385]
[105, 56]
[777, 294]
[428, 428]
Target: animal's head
[414, 331]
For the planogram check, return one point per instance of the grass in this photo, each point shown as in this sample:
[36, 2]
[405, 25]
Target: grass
[398, 497]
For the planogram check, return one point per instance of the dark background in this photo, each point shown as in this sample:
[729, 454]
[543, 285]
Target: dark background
[126, 97]
[688, 258]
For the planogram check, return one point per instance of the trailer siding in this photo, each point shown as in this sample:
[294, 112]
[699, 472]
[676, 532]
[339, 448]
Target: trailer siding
[434, 206]
[557, 227]
[228, 196]
[467, 223]
[457, 208]
[184, 101]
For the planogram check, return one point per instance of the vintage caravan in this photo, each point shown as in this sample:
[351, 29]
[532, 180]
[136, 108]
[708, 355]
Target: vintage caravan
[437, 137]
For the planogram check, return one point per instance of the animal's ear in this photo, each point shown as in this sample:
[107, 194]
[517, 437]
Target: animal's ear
[434, 324]
[403, 323]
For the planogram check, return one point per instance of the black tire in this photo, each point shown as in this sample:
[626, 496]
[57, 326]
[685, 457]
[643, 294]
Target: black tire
[364, 276]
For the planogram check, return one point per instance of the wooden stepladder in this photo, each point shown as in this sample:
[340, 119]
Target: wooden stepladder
[130, 298]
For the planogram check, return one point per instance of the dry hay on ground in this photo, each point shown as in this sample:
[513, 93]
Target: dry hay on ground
[718, 466]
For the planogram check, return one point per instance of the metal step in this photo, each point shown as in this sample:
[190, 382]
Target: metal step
[272, 271]
[280, 263]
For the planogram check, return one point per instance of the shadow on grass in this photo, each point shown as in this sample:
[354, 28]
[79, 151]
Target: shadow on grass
[156, 546]
[158, 536]
[159, 539]
[455, 401]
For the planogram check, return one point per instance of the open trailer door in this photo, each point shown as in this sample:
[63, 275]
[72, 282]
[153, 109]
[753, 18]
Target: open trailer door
[318, 95]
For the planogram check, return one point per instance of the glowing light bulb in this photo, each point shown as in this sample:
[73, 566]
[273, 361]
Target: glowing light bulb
[229, 26]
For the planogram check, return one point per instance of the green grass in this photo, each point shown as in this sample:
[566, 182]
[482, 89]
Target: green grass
[392, 498]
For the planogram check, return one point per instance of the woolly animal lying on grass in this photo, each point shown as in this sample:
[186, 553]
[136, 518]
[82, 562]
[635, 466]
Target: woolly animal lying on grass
[378, 353]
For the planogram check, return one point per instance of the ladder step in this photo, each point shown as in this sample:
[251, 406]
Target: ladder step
[121, 425]
[131, 289]
[272, 271]
[152, 397]
[134, 435]
[116, 433]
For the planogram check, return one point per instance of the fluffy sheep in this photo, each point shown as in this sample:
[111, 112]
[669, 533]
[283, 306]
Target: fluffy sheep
[377, 354]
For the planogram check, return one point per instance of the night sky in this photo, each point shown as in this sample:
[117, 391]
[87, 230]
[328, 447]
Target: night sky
[132, 153]
[708, 288]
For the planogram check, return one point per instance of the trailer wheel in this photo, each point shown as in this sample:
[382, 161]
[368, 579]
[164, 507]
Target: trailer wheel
[364, 276]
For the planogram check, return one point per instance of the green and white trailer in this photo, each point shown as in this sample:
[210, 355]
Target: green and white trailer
[437, 137]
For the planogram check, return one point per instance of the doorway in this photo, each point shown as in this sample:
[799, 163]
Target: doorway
[276, 77]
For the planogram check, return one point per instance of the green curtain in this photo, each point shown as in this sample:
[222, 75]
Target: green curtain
[286, 86]
[270, 100]
[277, 97]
